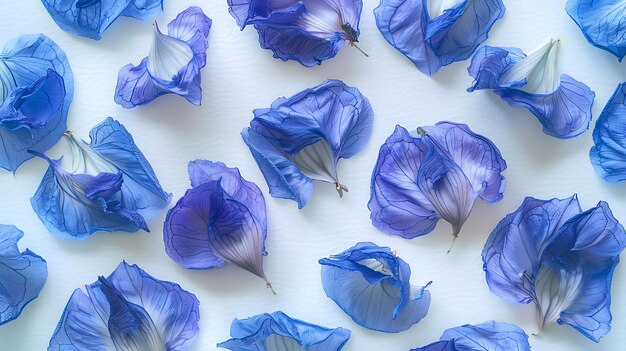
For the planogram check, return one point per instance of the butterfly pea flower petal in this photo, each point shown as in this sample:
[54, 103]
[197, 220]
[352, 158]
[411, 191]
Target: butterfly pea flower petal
[173, 64]
[128, 310]
[90, 18]
[561, 103]
[602, 23]
[119, 194]
[307, 31]
[487, 336]
[277, 331]
[22, 274]
[608, 155]
[434, 172]
[562, 259]
[36, 89]
[371, 284]
[301, 139]
[221, 219]
[433, 34]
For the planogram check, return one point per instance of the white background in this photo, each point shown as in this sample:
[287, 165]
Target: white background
[239, 77]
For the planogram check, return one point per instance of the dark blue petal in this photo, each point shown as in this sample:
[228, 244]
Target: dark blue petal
[173, 66]
[489, 64]
[602, 23]
[447, 345]
[90, 18]
[129, 310]
[372, 286]
[22, 274]
[608, 155]
[277, 331]
[488, 336]
[565, 113]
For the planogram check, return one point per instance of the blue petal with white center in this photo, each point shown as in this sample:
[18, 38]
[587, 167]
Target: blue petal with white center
[436, 33]
[307, 31]
[608, 155]
[128, 310]
[562, 259]
[22, 274]
[173, 64]
[36, 89]
[603, 22]
[561, 103]
[90, 18]
[111, 187]
[371, 284]
[435, 172]
[302, 138]
[487, 336]
[278, 332]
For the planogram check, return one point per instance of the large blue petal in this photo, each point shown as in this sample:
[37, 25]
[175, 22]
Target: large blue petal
[277, 331]
[137, 85]
[90, 18]
[608, 155]
[372, 286]
[603, 22]
[488, 336]
[128, 310]
[22, 274]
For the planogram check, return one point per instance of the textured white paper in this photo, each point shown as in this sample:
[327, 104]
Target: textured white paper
[239, 77]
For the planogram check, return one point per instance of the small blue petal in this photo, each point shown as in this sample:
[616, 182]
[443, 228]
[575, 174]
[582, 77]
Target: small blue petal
[22, 274]
[372, 286]
[447, 345]
[608, 155]
[277, 331]
[489, 64]
[90, 18]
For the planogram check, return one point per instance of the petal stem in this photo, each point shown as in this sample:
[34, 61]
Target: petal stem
[340, 189]
[454, 237]
[269, 286]
[353, 44]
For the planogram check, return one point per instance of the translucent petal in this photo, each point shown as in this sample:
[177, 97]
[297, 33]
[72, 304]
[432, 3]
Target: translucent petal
[488, 336]
[167, 56]
[608, 155]
[538, 69]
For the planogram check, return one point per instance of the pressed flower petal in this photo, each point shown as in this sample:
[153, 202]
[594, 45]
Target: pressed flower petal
[372, 286]
[22, 274]
[608, 155]
[129, 310]
[90, 18]
[488, 336]
[278, 332]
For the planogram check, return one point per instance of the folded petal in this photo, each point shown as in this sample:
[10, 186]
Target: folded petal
[22, 274]
[371, 285]
[490, 63]
[609, 151]
[602, 23]
[279, 332]
[173, 64]
[488, 336]
[129, 310]
[90, 18]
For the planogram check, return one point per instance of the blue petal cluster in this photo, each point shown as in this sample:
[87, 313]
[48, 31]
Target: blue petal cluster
[433, 34]
[221, 219]
[173, 65]
[371, 284]
[487, 336]
[36, 89]
[560, 103]
[301, 138]
[119, 195]
[434, 172]
[552, 253]
[277, 331]
[22, 274]
[90, 18]
[308, 31]
[603, 22]
[128, 310]
[608, 155]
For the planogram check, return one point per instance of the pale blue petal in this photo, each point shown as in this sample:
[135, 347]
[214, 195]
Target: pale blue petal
[608, 155]
[488, 336]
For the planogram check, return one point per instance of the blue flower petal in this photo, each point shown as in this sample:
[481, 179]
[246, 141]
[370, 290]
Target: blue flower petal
[447, 345]
[277, 331]
[608, 155]
[602, 23]
[489, 64]
[36, 89]
[22, 274]
[173, 66]
[129, 310]
[90, 18]
[432, 39]
[302, 138]
[372, 286]
[488, 336]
